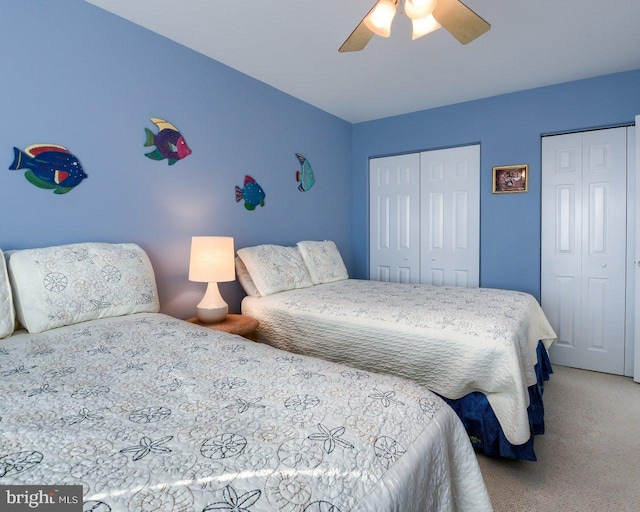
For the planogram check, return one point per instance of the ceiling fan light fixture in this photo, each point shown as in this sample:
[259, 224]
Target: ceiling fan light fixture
[457, 19]
[380, 18]
[419, 9]
[424, 26]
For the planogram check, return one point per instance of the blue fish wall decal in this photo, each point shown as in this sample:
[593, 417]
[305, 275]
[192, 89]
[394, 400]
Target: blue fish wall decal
[251, 192]
[49, 166]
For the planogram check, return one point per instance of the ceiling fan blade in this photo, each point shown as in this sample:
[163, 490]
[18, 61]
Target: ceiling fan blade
[358, 39]
[463, 24]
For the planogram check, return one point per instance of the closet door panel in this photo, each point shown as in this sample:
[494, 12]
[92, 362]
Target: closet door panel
[450, 216]
[561, 244]
[394, 237]
[604, 249]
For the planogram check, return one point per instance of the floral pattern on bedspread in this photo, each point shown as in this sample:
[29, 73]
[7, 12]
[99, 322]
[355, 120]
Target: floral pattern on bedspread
[152, 413]
[452, 340]
[483, 313]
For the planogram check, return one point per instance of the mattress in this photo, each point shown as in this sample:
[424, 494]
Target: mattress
[452, 340]
[147, 412]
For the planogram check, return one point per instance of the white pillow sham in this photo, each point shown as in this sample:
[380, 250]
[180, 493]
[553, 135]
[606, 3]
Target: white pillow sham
[7, 311]
[68, 284]
[323, 260]
[245, 279]
[275, 268]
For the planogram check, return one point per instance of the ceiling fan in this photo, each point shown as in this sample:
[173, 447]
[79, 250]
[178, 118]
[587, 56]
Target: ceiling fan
[426, 16]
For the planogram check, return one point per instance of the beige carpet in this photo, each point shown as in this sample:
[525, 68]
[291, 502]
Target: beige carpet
[589, 457]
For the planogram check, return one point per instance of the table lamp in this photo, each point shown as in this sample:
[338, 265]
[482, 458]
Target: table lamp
[212, 261]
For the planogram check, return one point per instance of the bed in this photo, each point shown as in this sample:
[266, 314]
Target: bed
[483, 350]
[150, 413]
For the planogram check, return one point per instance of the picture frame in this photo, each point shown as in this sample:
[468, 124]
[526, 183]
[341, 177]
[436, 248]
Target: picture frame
[508, 179]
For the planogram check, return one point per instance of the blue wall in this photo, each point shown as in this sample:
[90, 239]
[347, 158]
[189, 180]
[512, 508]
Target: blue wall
[75, 75]
[509, 129]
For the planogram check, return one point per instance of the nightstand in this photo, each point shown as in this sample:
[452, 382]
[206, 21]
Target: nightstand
[234, 324]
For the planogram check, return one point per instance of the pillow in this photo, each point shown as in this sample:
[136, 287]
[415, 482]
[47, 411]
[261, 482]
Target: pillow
[7, 312]
[323, 261]
[68, 284]
[245, 279]
[275, 268]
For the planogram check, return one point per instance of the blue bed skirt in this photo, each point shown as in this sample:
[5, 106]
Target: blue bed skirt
[483, 427]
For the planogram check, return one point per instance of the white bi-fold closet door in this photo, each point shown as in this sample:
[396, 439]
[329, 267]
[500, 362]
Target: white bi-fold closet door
[424, 217]
[587, 222]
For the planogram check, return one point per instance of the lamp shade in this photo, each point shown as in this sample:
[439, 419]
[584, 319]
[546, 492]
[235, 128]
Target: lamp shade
[212, 259]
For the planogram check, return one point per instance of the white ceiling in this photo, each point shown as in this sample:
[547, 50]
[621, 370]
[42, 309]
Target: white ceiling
[293, 46]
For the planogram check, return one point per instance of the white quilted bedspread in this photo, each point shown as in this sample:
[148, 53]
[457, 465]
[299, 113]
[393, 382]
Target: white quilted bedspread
[150, 413]
[452, 340]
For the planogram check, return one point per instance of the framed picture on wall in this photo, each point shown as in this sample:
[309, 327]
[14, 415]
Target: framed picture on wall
[510, 178]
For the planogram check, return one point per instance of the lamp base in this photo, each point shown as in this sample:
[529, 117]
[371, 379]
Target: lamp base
[212, 315]
[212, 308]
